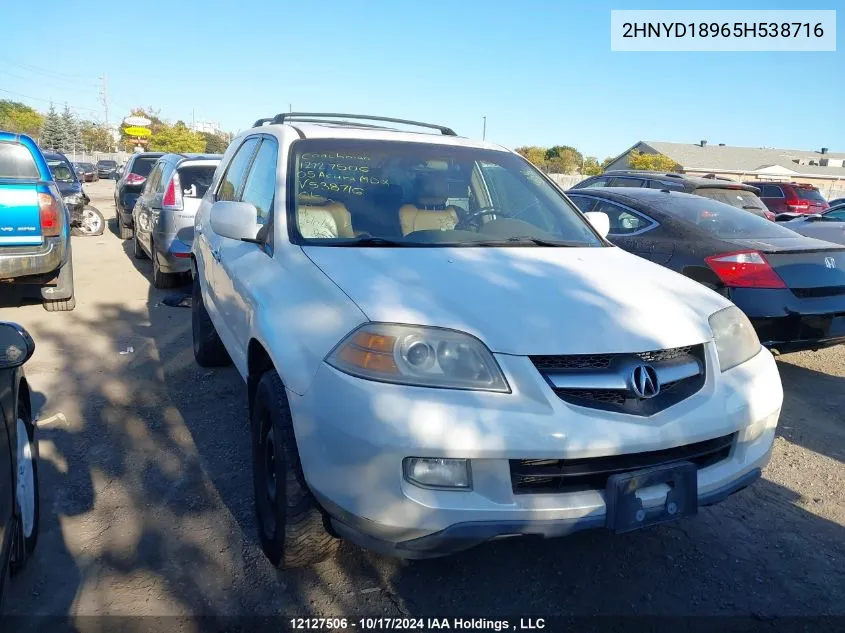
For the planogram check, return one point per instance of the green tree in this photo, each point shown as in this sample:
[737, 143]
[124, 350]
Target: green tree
[71, 140]
[19, 118]
[534, 155]
[95, 137]
[52, 135]
[215, 143]
[563, 159]
[176, 138]
[652, 162]
[606, 162]
[591, 166]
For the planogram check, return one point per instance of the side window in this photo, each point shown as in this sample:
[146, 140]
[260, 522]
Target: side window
[662, 184]
[261, 182]
[598, 182]
[230, 184]
[154, 181]
[624, 181]
[835, 216]
[582, 202]
[623, 221]
[771, 191]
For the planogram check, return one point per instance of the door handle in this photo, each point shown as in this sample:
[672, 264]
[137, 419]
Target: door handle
[215, 253]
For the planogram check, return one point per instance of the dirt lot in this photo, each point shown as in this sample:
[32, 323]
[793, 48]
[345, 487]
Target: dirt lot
[147, 495]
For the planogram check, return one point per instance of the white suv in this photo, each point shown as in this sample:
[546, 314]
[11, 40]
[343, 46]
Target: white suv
[440, 349]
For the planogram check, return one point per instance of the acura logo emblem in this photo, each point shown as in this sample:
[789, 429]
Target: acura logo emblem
[644, 382]
[830, 262]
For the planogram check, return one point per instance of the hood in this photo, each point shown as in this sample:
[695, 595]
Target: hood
[527, 300]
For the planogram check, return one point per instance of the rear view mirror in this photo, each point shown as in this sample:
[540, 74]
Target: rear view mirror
[16, 345]
[600, 222]
[235, 220]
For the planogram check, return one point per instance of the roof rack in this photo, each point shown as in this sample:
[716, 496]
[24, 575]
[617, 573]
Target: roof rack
[317, 117]
[261, 122]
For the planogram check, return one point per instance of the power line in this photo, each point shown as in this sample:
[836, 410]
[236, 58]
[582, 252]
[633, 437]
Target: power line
[50, 101]
[46, 71]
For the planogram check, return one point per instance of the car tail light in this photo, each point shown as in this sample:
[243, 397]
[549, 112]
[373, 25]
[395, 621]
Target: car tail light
[50, 214]
[744, 269]
[798, 206]
[134, 179]
[173, 194]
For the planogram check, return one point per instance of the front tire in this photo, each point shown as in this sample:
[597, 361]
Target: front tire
[291, 525]
[26, 490]
[208, 348]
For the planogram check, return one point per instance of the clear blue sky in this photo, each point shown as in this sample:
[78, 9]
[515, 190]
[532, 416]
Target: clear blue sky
[541, 71]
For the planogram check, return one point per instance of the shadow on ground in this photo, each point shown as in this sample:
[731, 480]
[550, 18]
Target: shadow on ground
[147, 508]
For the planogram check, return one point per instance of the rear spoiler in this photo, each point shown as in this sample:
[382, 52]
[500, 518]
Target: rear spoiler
[785, 217]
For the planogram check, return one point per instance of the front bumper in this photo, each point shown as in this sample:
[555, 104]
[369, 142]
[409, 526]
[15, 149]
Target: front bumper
[789, 323]
[353, 435]
[22, 262]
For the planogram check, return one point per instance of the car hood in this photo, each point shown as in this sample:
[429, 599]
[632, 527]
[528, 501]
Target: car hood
[527, 300]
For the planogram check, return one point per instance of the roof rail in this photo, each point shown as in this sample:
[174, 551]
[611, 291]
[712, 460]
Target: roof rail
[261, 122]
[316, 117]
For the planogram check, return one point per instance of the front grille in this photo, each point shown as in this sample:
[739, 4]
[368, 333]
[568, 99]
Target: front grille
[813, 293]
[543, 476]
[592, 367]
[603, 361]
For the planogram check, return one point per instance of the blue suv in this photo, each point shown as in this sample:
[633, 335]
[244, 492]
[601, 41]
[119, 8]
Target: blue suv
[34, 224]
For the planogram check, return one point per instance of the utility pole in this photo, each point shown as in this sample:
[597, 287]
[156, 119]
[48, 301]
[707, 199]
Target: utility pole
[104, 96]
[193, 120]
[484, 129]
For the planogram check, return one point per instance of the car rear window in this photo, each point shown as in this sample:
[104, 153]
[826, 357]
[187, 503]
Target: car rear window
[196, 179]
[738, 198]
[106, 163]
[719, 219]
[808, 193]
[143, 166]
[17, 162]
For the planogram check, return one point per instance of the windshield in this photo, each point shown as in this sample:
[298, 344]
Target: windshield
[106, 163]
[735, 197]
[196, 179]
[719, 219]
[61, 171]
[421, 194]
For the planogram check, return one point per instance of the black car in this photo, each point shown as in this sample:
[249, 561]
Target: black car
[19, 515]
[69, 185]
[129, 186]
[736, 194]
[106, 168]
[791, 287]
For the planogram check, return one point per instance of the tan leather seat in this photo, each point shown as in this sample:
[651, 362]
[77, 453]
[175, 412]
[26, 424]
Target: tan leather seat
[318, 214]
[412, 218]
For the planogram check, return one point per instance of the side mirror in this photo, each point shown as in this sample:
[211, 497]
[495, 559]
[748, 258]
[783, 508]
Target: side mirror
[16, 345]
[600, 221]
[235, 220]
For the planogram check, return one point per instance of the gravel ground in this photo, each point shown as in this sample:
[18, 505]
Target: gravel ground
[147, 495]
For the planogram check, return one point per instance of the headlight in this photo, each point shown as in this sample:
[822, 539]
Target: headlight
[73, 198]
[736, 340]
[421, 356]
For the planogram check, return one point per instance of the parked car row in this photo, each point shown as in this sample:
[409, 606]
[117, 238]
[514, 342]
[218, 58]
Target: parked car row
[156, 199]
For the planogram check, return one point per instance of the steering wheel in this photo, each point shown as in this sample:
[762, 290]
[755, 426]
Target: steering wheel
[471, 219]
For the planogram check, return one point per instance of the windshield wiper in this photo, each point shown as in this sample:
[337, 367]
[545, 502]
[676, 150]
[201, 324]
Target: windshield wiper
[751, 206]
[525, 239]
